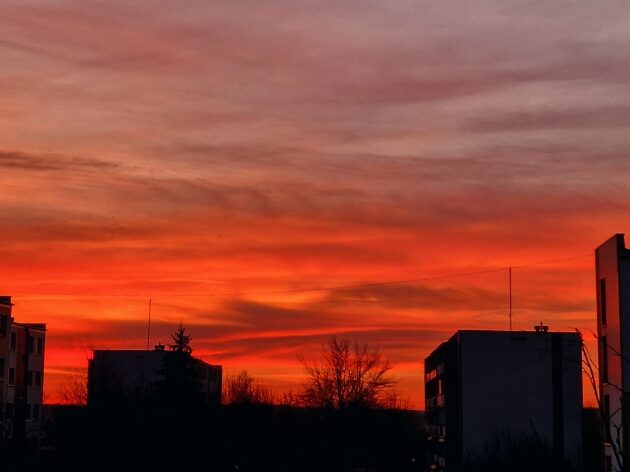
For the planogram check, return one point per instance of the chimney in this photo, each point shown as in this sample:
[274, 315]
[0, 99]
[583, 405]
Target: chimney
[541, 328]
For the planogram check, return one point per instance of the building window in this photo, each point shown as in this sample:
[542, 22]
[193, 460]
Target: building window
[38, 378]
[604, 365]
[29, 378]
[3, 325]
[39, 345]
[9, 410]
[36, 412]
[29, 344]
[13, 340]
[11, 375]
[1, 367]
[602, 299]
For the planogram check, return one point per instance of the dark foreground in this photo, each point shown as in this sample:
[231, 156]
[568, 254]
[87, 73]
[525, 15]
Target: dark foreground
[255, 438]
[232, 438]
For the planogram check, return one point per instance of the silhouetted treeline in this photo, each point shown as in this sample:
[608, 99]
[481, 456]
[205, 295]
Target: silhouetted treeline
[235, 437]
[258, 437]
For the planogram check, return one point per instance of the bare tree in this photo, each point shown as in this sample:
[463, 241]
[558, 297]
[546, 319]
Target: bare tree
[395, 400]
[350, 375]
[611, 419]
[74, 389]
[515, 452]
[290, 399]
[242, 388]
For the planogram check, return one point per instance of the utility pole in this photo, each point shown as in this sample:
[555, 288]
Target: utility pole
[149, 327]
[510, 277]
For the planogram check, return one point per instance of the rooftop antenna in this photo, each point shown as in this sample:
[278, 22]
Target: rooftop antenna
[510, 314]
[149, 327]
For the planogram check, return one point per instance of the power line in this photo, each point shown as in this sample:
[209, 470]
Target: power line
[313, 289]
[551, 261]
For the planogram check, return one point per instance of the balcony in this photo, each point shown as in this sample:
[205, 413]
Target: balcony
[436, 401]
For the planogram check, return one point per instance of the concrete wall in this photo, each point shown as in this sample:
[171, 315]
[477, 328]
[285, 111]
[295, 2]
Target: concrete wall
[507, 390]
[572, 396]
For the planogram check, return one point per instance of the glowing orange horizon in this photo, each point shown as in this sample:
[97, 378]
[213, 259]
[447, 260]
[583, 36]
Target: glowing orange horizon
[267, 332]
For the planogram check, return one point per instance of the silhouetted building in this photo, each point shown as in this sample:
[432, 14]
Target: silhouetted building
[503, 388]
[592, 440]
[612, 261]
[21, 376]
[138, 373]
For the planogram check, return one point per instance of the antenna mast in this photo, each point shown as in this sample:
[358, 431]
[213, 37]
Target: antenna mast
[510, 314]
[149, 327]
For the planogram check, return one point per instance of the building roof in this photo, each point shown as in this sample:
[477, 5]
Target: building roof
[497, 332]
[37, 326]
[511, 333]
[128, 353]
[619, 238]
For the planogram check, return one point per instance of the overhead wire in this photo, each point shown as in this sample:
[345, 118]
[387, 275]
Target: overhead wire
[307, 289]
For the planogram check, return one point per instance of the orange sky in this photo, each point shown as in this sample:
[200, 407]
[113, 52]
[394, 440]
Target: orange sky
[211, 155]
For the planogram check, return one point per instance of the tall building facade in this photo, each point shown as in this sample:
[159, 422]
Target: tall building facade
[22, 347]
[612, 262]
[488, 387]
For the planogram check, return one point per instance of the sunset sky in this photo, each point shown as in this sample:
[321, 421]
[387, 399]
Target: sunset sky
[224, 158]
